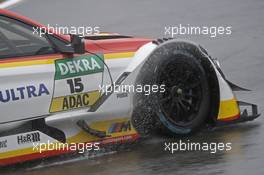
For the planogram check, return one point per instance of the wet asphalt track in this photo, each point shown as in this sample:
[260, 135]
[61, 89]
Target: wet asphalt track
[241, 56]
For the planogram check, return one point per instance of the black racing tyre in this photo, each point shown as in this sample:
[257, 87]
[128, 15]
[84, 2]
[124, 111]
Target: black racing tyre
[184, 105]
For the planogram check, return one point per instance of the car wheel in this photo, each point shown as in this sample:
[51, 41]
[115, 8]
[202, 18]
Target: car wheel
[183, 105]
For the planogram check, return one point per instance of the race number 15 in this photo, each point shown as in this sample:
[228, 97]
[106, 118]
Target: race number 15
[76, 85]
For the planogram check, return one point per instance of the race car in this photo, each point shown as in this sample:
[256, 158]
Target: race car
[104, 89]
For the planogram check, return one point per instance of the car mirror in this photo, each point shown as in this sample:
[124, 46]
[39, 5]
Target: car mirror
[78, 44]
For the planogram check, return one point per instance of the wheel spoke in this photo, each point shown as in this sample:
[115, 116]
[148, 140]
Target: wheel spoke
[188, 117]
[183, 106]
[187, 103]
[178, 112]
[166, 99]
[191, 107]
[171, 109]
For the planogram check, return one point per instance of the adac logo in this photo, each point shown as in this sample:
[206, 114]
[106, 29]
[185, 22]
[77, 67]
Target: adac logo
[120, 127]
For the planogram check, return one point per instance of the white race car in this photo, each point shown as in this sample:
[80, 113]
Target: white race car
[104, 89]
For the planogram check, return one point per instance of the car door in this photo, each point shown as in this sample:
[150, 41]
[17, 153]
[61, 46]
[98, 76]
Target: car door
[36, 80]
[26, 72]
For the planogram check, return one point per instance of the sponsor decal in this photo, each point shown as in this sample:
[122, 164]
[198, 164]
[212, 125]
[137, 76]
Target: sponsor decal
[120, 139]
[23, 92]
[78, 66]
[120, 127]
[3, 144]
[28, 138]
[74, 101]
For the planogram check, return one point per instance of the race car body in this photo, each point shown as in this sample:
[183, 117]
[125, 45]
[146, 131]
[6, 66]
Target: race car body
[103, 89]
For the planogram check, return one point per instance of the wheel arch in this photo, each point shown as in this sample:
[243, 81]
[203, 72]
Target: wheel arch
[213, 81]
[207, 63]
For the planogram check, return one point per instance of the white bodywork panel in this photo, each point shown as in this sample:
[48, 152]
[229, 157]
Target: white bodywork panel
[26, 92]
